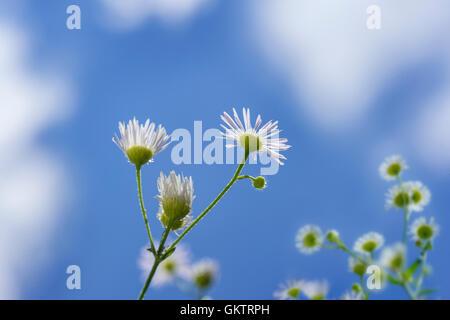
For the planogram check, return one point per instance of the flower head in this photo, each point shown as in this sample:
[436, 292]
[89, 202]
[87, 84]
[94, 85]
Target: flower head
[255, 139]
[175, 266]
[369, 242]
[176, 194]
[315, 290]
[352, 295]
[140, 143]
[356, 266]
[204, 273]
[392, 166]
[393, 257]
[332, 236]
[289, 290]
[399, 197]
[420, 195]
[308, 239]
[421, 230]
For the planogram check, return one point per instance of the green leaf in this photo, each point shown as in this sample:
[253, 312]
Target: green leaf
[410, 271]
[394, 280]
[425, 292]
[168, 253]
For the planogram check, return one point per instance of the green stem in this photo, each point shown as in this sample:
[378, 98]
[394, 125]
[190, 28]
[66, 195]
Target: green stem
[363, 288]
[421, 274]
[141, 203]
[354, 255]
[221, 194]
[156, 263]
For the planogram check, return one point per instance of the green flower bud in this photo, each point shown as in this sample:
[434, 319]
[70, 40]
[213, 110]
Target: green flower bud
[259, 182]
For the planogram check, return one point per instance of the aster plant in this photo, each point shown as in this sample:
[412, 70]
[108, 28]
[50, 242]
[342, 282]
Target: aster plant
[141, 143]
[407, 197]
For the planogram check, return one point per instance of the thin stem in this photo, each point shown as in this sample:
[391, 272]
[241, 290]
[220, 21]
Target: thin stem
[141, 202]
[156, 263]
[354, 255]
[422, 273]
[363, 288]
[221, 194]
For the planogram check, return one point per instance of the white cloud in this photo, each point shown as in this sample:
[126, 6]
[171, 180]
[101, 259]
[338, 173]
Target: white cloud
[335, 65]
[131, 13]
[33, 182]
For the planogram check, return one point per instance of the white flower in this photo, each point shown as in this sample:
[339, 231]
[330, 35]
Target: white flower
[289, 290]
[204, 273]
[175, 266]
[369, 242]
[393, 257]
[308, 239]
[356, 266]
[141, 143]
[260, 138]
[352, 295]
[399, 197]
[421, 230]
[420, 195]
[391, 167]
[176, 194]
[315, 290]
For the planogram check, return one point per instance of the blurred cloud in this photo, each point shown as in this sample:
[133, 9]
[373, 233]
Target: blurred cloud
[33, 182]
[336, 66]
[132, 13]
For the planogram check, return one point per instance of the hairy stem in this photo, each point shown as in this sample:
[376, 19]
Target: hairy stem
[141, 203]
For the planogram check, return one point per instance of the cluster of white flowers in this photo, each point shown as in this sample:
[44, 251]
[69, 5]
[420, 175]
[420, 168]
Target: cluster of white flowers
[410, 196]
[141, 143]
[312, 290]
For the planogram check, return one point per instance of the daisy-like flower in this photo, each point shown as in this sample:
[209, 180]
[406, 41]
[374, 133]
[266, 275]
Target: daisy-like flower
[352, 295]
[308, 239]
[258, 138]
[369, 242]
[393, 257]
[315, 290]
[356, 266]
[140, 143]
[175, 266]
[420, 195]
[421, 230]
[399, 197]
[391, 167]
[204, 273]
[176, 194]
[289, 290]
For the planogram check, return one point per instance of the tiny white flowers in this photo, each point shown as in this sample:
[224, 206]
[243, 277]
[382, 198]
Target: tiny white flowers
[140, 143]
[398, 197]
[420, 195]
[393, 257]
[421, 230]
[176, 194]
[309, 239]
[315, 290]
[258, 138]
[204, 273]
[352, 295]
[369, 242]
[175, 266]
[391, 167]
[289, 290]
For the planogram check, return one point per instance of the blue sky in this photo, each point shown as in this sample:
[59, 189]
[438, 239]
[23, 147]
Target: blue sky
[194, 69]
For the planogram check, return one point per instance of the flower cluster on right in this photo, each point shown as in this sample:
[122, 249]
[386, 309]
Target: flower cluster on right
[391, 265]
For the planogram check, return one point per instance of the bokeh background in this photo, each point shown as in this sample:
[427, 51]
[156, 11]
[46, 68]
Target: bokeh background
[345, 97]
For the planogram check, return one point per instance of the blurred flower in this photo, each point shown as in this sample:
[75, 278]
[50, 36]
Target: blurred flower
[421, 230]
[352, 295]
[204, 273]
[289, 290]
[141, 143]
[176, 194]
[391, 167]
[393, 257]
[369, 242]
[262, 139]
[175, 266]
[356, 266]
[332, 236]
[399, 197]
[315, 290]
[420, 195]
[308, 239]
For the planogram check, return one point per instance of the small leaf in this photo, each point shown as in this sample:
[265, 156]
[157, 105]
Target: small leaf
[169, 253]
[394, 280]
[410, 271]
[425, 292]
